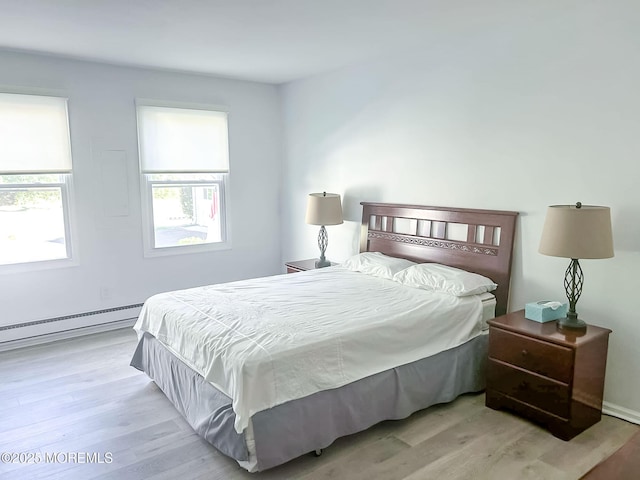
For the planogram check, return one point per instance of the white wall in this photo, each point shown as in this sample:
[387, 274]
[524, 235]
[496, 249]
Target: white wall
[102, 117]
[517, 111]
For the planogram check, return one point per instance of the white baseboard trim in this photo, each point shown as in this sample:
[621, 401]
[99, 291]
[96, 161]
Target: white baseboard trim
[621, 412]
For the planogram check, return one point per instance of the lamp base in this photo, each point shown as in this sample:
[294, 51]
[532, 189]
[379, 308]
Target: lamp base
[323, 262]
[571, 323]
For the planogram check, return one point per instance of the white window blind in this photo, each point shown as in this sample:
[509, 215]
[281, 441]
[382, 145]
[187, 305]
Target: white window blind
[179, 140]
[34, 134]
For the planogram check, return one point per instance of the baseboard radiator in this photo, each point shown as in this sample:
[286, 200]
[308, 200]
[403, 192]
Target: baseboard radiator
[68, 326]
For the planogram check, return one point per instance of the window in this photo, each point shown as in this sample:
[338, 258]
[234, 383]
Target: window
[35, 178]
[184, 164]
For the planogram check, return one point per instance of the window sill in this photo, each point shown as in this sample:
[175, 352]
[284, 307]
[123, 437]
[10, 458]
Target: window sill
[34, 266]
[186, 249]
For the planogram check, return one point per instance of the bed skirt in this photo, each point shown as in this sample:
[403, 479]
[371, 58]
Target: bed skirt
[294, 428]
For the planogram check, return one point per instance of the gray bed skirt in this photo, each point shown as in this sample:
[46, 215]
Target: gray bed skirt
[300, 426]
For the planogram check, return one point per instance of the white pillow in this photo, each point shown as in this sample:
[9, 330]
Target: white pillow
[441, 278]
[377, 264]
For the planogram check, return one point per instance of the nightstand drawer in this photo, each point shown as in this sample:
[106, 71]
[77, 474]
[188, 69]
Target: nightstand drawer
[553, 377]
[541, 392]
[544, 358]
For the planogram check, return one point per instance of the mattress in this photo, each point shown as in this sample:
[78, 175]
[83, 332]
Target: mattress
[488, 308]
[265, 342]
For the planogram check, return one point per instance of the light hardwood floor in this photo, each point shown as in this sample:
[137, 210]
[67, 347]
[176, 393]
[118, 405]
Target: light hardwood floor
[81, 395]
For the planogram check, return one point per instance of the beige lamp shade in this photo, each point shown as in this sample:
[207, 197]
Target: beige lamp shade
[324, 209]
[577, 232]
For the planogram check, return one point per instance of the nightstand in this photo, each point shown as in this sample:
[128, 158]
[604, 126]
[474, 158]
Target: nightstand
[553, 378]
[302, 265]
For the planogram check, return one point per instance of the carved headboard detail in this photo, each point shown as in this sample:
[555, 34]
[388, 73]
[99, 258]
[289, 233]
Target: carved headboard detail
[479, 241]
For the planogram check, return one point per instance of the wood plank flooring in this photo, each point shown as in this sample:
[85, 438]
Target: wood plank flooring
[81, 395]
[622, 465]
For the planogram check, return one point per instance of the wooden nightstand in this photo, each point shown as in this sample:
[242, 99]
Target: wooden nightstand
[302, 265]
[551, 377]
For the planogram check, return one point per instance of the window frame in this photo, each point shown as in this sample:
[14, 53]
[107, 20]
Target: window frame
[147, 184]
[66, 193]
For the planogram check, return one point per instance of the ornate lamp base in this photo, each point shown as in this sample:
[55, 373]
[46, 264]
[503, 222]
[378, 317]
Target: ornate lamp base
[323, 241]
[569, 323]
[573, 282]
[323, 263]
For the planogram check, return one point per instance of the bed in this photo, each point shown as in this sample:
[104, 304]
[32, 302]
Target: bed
[264, 381]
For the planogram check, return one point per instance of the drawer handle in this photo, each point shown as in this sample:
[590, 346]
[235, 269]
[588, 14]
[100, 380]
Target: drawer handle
[524, 385]
[525, 353]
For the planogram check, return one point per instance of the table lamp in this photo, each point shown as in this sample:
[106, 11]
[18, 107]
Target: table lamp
[323, 209]
[575, 232]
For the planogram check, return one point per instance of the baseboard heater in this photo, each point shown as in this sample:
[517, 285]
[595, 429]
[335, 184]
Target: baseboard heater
[57, 328]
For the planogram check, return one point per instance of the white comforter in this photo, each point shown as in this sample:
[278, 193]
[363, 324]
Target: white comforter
[266, 341]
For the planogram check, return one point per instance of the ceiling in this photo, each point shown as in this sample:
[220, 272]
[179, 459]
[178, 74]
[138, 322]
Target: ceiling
[273, 41]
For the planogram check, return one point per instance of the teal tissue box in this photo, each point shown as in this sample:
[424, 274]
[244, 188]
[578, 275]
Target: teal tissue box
[543, 311]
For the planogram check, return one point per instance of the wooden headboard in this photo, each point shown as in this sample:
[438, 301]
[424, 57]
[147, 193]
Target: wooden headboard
[479, 241]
